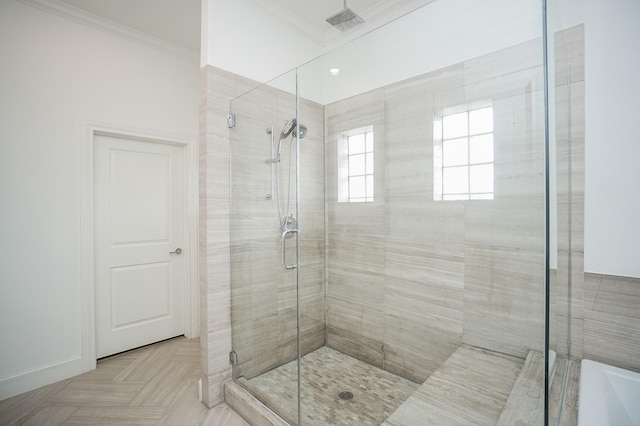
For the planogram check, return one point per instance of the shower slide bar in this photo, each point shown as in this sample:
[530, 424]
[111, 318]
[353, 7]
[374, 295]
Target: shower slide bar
[272, 161]
[284, 251]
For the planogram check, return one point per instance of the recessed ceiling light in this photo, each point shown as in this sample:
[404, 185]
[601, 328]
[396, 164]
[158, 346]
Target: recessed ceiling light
[334, 71]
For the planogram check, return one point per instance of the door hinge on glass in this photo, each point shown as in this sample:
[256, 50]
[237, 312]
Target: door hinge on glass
[231, 120]
[233, 358]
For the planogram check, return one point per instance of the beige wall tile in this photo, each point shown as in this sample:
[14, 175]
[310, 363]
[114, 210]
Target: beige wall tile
[612, 320]
[217, 87]
[453, 271]
[424, 305]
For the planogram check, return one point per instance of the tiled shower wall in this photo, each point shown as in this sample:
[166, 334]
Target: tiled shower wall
[217, 88]
[238, 234]
[410, 278]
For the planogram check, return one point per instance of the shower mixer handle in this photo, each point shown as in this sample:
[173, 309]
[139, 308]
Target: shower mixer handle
[284, 251]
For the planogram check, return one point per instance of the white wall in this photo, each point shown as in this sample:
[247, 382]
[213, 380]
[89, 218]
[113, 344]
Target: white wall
[55, 74]
[612, 144]
[238, 38]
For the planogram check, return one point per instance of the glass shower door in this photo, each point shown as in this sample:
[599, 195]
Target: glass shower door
[264, 314]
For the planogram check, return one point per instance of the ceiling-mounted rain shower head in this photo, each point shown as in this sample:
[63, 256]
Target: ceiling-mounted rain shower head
[345, 19]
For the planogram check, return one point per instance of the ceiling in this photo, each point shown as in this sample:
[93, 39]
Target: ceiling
[178, 21]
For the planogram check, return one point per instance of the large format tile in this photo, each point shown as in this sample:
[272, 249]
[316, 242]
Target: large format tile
[504, 299]
[423, 310]
[217, 88]
[612, 339]
[355, 297]
[618, 296]
[451, 269]
[469, 388]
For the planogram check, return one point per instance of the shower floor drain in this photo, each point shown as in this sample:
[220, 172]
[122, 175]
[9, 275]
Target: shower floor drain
[346, 395]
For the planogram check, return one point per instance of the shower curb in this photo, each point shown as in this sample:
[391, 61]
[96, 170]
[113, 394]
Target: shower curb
[249, 407]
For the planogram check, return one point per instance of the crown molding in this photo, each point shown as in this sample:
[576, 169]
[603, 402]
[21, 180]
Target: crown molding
[99, 23]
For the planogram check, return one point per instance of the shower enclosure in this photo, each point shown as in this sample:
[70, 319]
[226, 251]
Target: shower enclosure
[388, 227]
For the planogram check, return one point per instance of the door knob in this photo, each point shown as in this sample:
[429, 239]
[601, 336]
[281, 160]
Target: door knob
[178, 251]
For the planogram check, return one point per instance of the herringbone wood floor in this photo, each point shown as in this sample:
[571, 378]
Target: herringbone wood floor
[153, 385]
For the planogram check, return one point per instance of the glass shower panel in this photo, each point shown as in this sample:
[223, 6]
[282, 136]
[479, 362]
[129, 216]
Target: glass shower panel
[567, 118]
[421, 284]
[263, 206]
[345, 307]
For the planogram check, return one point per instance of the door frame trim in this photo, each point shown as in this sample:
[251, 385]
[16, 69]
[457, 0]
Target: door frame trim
[87, 273]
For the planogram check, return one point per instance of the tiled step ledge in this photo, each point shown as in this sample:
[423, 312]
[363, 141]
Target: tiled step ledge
[525, 405]
[470, 388]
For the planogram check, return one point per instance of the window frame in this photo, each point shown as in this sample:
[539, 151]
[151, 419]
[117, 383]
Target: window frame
[344, 165]
[439, 142]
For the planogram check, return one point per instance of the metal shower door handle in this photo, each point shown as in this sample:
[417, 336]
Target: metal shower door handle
[284, 251]
[178, 251]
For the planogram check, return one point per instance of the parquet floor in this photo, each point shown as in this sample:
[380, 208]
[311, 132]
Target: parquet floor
[153, 385]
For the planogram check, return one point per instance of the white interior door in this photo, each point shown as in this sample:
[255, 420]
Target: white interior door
[139, 201]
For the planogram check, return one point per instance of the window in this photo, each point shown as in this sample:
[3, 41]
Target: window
[355, 165]
[463, 156]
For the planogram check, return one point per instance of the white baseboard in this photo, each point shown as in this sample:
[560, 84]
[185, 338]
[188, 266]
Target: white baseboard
[40, 376]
